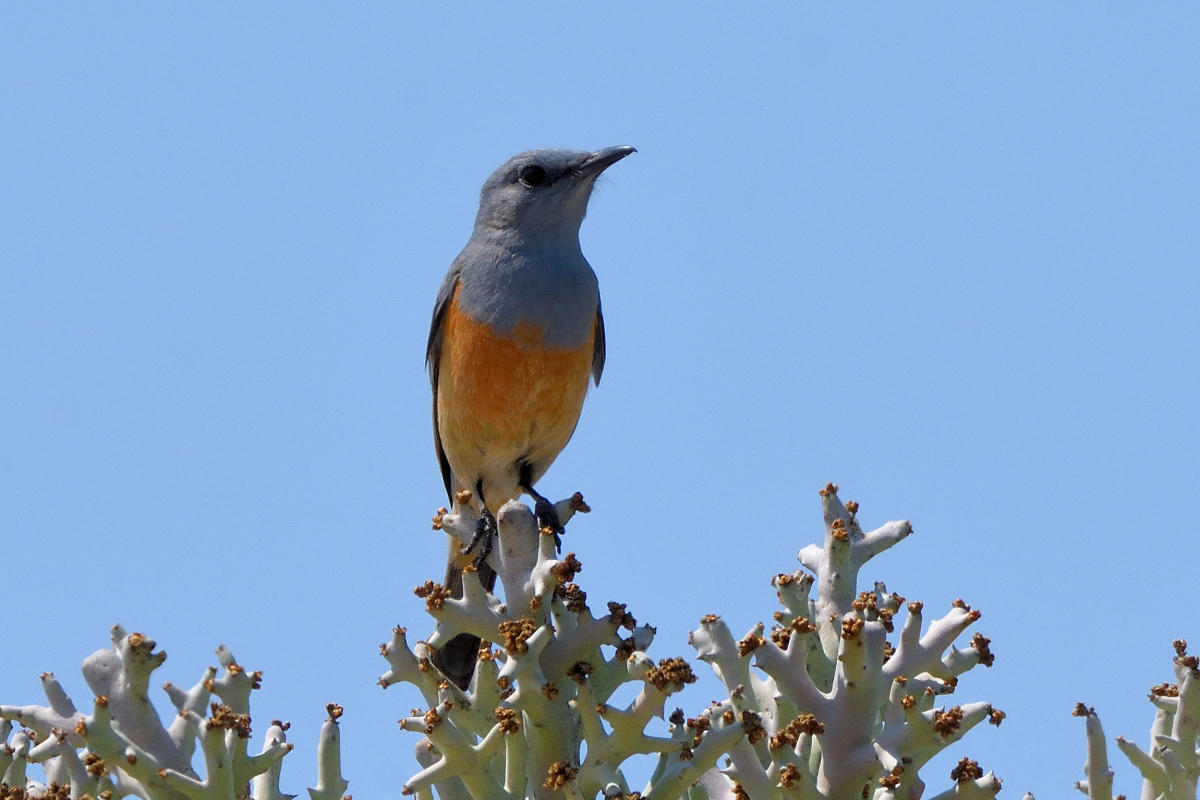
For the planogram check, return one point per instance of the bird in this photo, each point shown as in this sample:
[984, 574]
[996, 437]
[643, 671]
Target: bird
[516, 337]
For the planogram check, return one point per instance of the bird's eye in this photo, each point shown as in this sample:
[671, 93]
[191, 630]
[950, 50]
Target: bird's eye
[533, 175]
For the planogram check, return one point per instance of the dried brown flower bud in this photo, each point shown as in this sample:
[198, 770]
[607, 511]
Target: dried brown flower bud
[674, 671]
[967, 770]
[434, 595]
[749, 644]
[752, 722]
[566, 569]
[559, 775]
[980, 643]
[579, 671]
[948, 722]
[514, 634]
[788, 776]
[507, 717]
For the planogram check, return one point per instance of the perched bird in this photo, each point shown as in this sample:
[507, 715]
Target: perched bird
[517, 333]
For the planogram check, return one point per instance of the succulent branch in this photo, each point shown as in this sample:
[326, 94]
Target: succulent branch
[122, 748]
[1171, 767]
[844, 714]
[820, 707]
[533, 705]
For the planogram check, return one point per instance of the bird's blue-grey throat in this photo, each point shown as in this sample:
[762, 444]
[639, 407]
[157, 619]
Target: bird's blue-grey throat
[523, 261]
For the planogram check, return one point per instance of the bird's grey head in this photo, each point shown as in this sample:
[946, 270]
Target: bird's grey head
[541, 196]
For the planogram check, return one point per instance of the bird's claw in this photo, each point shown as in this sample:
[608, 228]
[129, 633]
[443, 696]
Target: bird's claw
[548, 522]
[484, 538]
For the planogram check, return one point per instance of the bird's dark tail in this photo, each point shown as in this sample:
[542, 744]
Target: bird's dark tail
[456, 659]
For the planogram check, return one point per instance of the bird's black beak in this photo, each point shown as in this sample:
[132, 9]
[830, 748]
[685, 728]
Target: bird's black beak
[601, 160]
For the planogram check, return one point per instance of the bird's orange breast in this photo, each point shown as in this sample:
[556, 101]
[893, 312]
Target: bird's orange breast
[505, 398]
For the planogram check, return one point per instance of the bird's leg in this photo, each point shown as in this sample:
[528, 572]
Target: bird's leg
[547, 515]
[485, 530]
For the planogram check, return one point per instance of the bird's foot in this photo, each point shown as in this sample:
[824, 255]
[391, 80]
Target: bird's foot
[484, 538]
[548, 522]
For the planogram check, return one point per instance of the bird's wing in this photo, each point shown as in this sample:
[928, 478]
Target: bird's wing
[433, 359]
[598, 347]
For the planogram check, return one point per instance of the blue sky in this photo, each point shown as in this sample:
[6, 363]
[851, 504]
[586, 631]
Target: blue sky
[944, 255]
